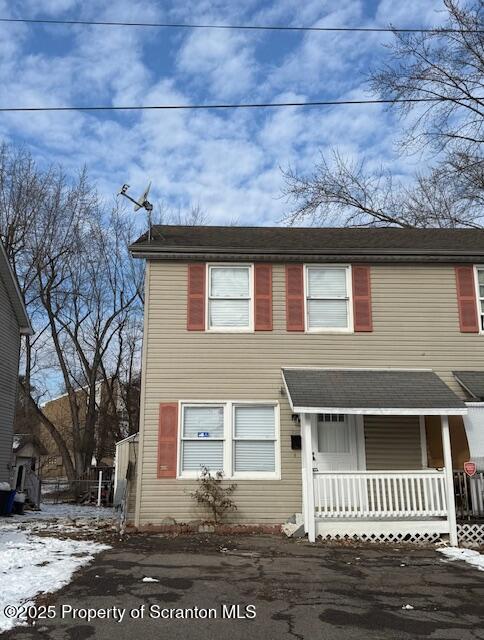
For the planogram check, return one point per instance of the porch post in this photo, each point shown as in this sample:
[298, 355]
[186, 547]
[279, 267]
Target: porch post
[307, 452]
[449, 480]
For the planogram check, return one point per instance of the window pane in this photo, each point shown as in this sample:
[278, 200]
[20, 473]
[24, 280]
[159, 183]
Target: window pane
[197, 420]
[333, 437]
[254, 456]
[480, 276]
[326, 282]
[229, 313]
[202, 453]
[327, 313]
[228, 282]
[481, 291]
[254, 422]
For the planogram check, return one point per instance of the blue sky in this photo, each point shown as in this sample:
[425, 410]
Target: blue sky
[227, 162]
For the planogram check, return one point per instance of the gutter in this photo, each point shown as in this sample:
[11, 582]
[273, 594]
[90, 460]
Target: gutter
[330, 255]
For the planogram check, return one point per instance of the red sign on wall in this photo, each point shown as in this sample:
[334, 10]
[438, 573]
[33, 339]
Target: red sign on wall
[470, 468]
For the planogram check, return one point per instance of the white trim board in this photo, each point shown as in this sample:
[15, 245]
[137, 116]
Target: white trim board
[423, 442]
[316, 368]
[376, 411]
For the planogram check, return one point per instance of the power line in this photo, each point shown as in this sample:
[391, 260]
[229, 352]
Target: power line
[256, 105]
[246, 27]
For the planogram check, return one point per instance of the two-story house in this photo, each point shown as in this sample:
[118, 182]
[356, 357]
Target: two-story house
[316, 368]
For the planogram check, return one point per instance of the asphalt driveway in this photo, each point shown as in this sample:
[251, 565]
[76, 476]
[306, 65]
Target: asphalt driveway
[298, 591]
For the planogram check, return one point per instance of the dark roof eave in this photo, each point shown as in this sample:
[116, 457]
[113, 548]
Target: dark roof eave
[236, 254]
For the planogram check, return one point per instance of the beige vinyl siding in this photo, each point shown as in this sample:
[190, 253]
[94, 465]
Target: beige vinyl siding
[415, 322]
[9, 358]
[392, 442]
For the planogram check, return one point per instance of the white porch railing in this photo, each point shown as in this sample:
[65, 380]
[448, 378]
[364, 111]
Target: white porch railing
[380, 494]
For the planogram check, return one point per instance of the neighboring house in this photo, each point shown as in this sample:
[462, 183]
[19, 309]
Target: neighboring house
[107, 426]
[322, 370]
[14, 322]
[27, 451]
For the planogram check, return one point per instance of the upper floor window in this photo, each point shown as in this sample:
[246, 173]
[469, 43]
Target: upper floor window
[328, 298]
[230, 298]
[480, 296]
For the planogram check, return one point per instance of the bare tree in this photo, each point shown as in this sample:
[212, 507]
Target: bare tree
[88, 296]
[446, 66]
[82, 290]
[192, 216]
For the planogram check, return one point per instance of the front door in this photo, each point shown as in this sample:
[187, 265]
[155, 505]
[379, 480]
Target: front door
[335, 443]
[335, 447]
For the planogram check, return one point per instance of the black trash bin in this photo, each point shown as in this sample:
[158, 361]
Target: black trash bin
[18, 504]
[4, 501]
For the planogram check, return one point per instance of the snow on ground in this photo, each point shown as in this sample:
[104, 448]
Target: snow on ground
[31, 565]
[65, 510]
[60, 518]
[474, 558]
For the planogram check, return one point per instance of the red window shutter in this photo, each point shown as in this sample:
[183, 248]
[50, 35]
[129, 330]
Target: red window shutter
[196, 297]
[167, 440]
[295, 297]
[466, 299]
[362, 314]
[263, 297]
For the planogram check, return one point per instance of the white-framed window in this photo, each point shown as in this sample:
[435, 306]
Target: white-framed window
[230, 298]
[254, 439]
[328, 298]
[202, 437]
[480, 296]
[239, 438]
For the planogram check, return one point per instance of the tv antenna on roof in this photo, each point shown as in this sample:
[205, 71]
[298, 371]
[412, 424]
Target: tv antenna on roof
[141, 203]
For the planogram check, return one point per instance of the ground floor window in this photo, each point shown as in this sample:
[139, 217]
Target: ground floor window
[241, 439]
[202, 438]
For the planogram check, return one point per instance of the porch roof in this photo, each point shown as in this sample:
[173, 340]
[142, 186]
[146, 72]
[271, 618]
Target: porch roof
[370, 391]
[472, 382]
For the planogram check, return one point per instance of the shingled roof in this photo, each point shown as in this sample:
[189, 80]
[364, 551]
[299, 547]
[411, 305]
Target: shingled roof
[367, 391]
[472, 382]
[175, 242]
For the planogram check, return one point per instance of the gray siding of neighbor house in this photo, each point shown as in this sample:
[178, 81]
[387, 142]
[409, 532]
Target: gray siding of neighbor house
[415, 325]
[9, 360]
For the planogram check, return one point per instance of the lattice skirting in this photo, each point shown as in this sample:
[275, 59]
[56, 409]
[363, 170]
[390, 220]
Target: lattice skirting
[393, 537]
[409, 532]
[470, 535]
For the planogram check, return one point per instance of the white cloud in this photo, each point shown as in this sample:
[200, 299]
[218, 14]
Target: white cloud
[228, 161]
[410, 12]
[221, 61]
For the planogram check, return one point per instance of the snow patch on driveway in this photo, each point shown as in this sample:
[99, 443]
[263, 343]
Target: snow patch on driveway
[474, 558]
[31, 565]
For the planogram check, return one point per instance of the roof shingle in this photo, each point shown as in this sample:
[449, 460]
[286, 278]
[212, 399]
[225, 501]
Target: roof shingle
[175, 242]
[371, 390]
[472, 382]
